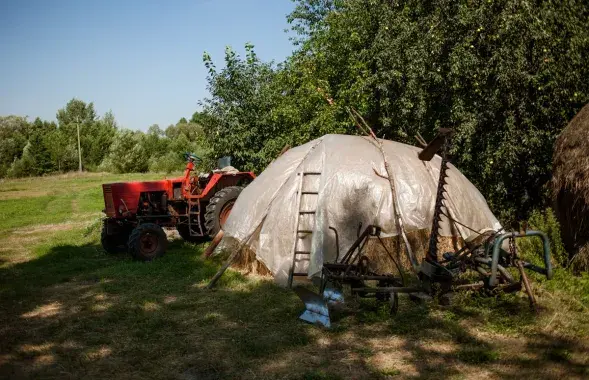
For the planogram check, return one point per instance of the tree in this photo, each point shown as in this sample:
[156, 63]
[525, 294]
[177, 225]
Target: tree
[40, 152]
[505, 75]
[25, 166]
[93, 134]
[126, 154]
[155, 143]
[76, 111]
[13, 138]
[236, 117]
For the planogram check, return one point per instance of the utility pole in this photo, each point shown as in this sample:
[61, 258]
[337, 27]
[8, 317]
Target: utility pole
[79, 150]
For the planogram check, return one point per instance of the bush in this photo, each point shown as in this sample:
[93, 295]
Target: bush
[24, 166]
[126, 154]
[531, 248]
[169, 162]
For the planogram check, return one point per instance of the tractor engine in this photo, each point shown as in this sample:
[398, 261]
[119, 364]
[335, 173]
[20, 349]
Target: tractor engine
[154, 203]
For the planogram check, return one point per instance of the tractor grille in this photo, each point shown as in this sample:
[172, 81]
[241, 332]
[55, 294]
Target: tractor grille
[108, 202]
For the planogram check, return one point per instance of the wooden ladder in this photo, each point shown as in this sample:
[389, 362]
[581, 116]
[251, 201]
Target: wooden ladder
[194, 213]
[301, 192]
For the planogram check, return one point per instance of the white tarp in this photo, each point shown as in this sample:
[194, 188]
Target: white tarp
[350, 192]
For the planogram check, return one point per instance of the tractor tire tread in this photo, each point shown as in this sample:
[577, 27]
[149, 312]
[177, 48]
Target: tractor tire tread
[134, 249]
[212, 224]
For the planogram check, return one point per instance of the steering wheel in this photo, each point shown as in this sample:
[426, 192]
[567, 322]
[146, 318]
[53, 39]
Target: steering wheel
[191, 157]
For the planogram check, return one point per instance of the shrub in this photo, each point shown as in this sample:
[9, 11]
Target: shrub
[546, 222]
[24, 166]
[167, 163]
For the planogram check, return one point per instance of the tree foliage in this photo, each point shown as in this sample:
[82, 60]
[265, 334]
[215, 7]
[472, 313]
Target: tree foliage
[505, 75]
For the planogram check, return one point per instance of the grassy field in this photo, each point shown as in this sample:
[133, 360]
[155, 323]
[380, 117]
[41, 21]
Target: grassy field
[69, 310]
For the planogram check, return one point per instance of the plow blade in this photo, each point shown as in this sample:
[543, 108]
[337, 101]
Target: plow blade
[316, 306]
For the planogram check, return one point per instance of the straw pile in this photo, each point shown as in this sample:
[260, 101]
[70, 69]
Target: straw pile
[379, 261]
[570, 187]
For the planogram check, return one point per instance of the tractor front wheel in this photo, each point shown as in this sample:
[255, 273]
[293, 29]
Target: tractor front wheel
[114, 237]
[147, 242]
[219, 208]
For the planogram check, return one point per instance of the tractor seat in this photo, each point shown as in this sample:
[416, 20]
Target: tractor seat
[227, 170]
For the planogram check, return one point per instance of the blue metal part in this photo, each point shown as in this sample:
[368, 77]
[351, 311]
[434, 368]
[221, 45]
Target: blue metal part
[547, 270]
[316, 316]
[333, 296]
[316, 310]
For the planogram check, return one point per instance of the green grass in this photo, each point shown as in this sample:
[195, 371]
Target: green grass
[69, 310]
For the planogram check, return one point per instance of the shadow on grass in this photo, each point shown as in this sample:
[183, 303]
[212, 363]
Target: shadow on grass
[76, 312]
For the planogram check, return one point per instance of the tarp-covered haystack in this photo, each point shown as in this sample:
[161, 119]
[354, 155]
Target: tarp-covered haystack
[571, 186]
[352, 188]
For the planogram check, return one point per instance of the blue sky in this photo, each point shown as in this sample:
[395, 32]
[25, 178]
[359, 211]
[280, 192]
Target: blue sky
[140, 59]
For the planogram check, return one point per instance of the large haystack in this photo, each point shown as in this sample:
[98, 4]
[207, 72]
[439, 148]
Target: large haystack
[349, 190]
[570, 183]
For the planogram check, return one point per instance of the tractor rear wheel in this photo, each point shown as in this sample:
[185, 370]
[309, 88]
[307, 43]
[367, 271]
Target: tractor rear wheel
[114, 237]
[147, 242]
[219, 208]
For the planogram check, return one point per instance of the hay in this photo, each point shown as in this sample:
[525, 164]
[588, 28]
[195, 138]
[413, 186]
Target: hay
[379, 261]
[570, 184]
[580, 261]
[246, 261]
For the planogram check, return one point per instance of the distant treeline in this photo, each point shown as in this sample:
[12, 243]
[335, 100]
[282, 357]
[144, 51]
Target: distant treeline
[42, 147]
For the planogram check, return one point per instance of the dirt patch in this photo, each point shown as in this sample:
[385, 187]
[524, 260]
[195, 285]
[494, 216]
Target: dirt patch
[6, 195]
[44, 228]
[16, 245]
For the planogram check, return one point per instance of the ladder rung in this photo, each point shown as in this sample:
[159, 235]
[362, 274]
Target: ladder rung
[305, 231]
[311, 173]
[298, 260]
[306, 212]
[300, 274]
[302, 253]
[309, 192]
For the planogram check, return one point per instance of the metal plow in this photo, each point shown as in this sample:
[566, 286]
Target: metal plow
[317, 306]
[438, 276]
[351, 270]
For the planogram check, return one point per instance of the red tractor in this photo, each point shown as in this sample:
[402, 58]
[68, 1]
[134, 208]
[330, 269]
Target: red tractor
[197, 206]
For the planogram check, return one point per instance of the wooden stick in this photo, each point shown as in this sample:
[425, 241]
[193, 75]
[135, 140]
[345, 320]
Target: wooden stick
[527, 286]
[214, 243]
[224, 267]
[233, 256]
[286, 148]
[420, 140]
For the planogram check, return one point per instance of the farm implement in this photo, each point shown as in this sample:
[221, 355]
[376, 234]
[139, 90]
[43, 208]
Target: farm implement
[488, 262]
